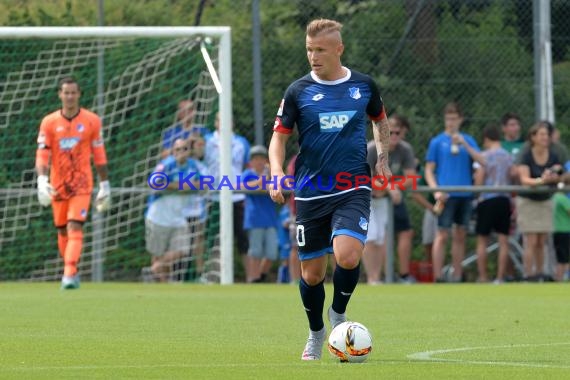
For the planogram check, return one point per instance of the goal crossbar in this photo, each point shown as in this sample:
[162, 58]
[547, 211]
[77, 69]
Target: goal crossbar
[111, 31]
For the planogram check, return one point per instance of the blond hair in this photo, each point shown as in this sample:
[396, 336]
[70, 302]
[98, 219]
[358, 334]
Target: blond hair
[323, 25]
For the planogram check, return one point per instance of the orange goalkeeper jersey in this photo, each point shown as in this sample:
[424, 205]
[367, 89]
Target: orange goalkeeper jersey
[71, 142]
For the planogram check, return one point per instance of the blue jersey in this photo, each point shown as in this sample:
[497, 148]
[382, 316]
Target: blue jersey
[452, 169]
[176, 132]
[173, 170]
[331, 117]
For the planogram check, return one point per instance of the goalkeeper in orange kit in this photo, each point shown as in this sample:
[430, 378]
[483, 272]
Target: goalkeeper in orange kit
[69, 137]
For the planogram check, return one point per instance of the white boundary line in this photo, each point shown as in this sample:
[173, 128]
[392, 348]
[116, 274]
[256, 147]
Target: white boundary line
[428, 356]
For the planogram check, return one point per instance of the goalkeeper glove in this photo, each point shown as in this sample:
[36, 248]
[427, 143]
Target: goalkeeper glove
[103, 200]
[45, 190]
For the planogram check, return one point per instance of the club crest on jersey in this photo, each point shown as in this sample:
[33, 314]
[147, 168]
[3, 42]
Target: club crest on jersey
[363, 223]
[68, 144]
[80, 128]
[354, 93]
[334, 121]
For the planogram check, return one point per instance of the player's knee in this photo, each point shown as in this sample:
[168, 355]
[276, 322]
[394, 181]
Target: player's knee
[312, 278]
[74, 226]
[62, 231]
[348, 260]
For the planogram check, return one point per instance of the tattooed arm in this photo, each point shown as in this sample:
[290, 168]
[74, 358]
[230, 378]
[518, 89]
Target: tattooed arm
[381, 130]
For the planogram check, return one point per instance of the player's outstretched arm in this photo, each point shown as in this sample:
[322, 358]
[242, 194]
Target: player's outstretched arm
[276, 160]
[381, 131]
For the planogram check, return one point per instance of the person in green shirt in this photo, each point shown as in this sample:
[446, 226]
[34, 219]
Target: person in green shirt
[512, 141]
[561, 235]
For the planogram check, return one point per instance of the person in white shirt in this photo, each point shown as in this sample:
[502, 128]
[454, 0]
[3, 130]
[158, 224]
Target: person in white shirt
[167, 234]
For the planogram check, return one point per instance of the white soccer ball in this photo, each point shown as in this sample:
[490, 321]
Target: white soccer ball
[350, 342]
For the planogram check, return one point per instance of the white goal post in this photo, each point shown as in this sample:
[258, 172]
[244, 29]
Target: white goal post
[223, 87]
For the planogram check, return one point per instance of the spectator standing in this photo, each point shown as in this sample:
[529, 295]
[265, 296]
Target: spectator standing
[512, 140]
[166, 227]
[493, 209]
[402, 163]
[561, 235]
[538, 166]
[260, 216]
[449, 162]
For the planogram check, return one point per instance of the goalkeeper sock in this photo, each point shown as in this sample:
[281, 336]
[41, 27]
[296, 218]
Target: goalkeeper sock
[313, 298]
[61, 244]
[344, 282]
[72, 252]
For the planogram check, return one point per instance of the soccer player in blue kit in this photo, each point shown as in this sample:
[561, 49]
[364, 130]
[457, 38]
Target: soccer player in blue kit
[330, 107]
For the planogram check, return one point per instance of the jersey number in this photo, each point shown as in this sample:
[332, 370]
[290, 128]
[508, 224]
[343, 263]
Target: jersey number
[300, 235]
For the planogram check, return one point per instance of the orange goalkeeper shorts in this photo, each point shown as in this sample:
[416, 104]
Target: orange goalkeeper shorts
[75, 208]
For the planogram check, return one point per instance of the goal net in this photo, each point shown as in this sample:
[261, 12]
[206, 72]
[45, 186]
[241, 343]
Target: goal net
[134, 78]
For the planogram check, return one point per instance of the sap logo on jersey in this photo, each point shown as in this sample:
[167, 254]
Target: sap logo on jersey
[68, 144]
[335, 121]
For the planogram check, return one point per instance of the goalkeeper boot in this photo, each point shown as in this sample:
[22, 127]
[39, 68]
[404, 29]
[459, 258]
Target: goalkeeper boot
[314, 347]
[335, 318]
[70, 282]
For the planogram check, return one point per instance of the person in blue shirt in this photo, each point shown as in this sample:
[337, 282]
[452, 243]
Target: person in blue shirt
[260, 218]
[184, 127]
[167, 234]
[283, 276]
[330, 106]
[449, 162]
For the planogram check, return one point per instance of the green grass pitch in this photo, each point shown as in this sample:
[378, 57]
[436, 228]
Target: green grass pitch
[139, 331]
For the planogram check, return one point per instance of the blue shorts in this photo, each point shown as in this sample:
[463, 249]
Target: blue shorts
[320, 220]
[457, 210]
